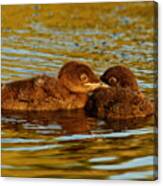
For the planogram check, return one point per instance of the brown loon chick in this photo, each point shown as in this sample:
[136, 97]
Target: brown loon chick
[68, 91]
[122, 100]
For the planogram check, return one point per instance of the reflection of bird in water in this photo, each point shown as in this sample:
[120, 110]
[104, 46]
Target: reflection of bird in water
[129, 124]
[122, 100]
[68, 91]
[66, 122]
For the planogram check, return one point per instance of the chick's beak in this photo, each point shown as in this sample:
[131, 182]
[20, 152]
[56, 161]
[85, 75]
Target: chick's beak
[93, 86]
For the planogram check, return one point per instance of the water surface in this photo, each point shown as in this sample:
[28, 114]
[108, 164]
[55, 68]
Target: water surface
[39, 39]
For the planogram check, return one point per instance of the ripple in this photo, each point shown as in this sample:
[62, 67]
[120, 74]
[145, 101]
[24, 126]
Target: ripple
[137, 162]
[134, 175]
[33, 148]
[21, 140]
[24, 59]
[42, 127]
[24, 52]
[15, 167]
[123, 134]
[102, 159]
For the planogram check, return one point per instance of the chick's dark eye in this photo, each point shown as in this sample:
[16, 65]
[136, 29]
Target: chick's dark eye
[112, 80]
[84, 78]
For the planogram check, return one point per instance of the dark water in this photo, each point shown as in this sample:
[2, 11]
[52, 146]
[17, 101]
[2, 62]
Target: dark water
[39, 39]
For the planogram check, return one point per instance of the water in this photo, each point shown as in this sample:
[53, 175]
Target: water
[39, 39]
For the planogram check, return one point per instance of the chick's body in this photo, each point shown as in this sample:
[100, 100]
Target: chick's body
[68, 91]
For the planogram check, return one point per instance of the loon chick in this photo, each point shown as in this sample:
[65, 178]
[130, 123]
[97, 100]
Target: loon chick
[122, 100]
[68, 91]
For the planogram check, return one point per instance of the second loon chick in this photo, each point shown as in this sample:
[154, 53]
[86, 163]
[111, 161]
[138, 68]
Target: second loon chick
[122, 100]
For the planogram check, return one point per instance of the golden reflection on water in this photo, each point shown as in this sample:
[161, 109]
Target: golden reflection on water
[39, 39]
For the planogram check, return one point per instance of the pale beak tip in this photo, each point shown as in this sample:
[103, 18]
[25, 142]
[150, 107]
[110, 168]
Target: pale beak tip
[103, 85]
[97, 85]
